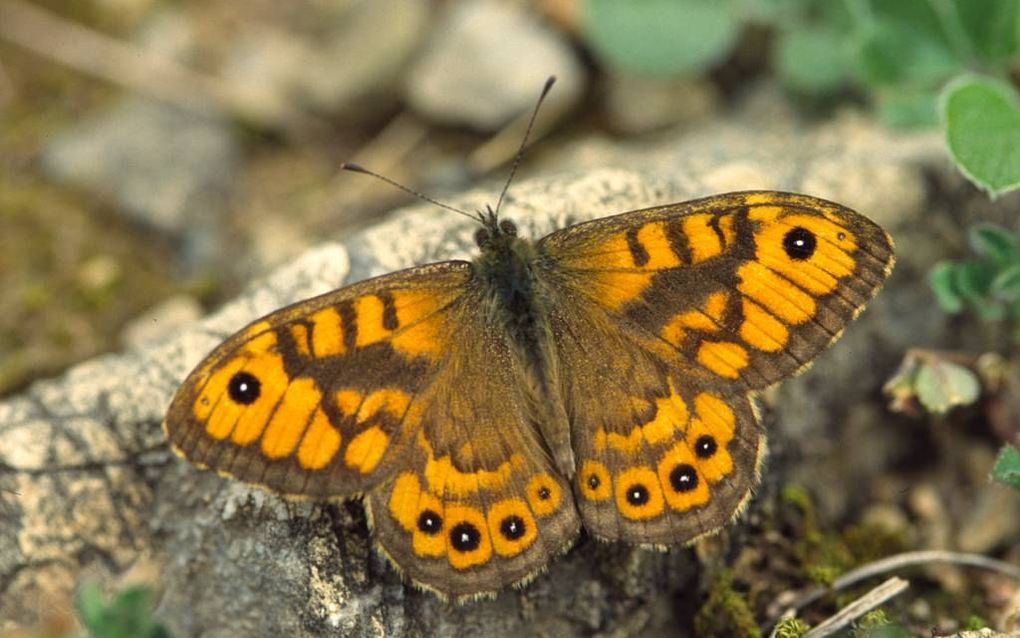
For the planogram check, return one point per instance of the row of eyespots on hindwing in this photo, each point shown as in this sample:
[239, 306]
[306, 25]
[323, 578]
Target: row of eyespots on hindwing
[466, 535]
[682, 474]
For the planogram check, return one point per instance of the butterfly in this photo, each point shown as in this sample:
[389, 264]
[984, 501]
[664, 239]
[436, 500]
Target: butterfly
[603, 376]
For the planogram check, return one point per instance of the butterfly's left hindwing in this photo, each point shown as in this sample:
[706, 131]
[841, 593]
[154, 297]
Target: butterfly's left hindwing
[317, 399]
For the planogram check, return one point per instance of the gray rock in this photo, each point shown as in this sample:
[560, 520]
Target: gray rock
[96, 491]
[511, 53]
[168, 168]
[354, 51]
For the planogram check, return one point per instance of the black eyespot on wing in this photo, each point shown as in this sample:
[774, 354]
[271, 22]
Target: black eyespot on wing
[594, 481]
[430, 523]
[465, 537]
[705, 446]
[683, 478]
[512, 527]
[637, 494]
[799, 243]
[244, 388]
[543, 493]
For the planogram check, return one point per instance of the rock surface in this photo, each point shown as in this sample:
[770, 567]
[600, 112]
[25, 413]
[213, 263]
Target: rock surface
[88, 488]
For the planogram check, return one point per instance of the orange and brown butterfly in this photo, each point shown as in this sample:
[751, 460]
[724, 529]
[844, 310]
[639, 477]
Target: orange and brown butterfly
[603, 376]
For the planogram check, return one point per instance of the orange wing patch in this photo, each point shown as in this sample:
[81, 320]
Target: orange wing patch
[724, 358]
[408, 319]
[670, 418]
[775, 293]
[705, 319]
[708, 235]
[284, 431]
[327, 333]
[761, 330]
[320, 443]
[445, 478]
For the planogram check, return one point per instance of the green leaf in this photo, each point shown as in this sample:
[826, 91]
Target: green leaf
[660, 37]
[973, 280]
[908, 107]
[1006, 285]
[893, 53]
[992, 27]
[91, 606]
[981, 121]
[1007, 467]
[919, 16]
[941, 279]
[994, 242]
[812, 60]
[941, 385]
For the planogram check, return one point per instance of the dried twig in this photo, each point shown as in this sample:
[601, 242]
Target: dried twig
[121, 63]
[899, 561]
[383, 154]
[877, 596]
[6, 87]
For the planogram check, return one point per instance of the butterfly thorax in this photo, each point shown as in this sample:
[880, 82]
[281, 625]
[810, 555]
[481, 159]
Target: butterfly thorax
[504, 269]
[506, 272]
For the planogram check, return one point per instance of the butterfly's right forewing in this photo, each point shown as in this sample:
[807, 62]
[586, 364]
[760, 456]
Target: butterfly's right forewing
[316, 399]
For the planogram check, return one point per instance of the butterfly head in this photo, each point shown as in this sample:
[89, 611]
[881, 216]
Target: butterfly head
[494, 231]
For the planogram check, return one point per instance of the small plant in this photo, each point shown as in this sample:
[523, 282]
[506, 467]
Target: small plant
[127, 615]
[929, 380]
[1007, 467]
[876, 624]
[988, 284]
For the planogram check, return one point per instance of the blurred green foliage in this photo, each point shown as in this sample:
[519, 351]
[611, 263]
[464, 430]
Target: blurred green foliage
[1007, 467]
[988, 284]
[127, 615]
[909, 57]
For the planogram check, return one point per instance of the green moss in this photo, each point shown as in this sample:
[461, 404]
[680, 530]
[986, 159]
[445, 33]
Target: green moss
[726, 612]
[791, 628]
[877, 624]
[867, 543]
[873, 619]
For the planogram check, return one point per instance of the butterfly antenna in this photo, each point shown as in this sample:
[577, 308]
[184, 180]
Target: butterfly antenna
[357, 168]
[524, 142]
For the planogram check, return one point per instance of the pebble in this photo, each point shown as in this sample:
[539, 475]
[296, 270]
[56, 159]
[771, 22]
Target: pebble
[486, 62]
[357, 52]
[636, 104]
